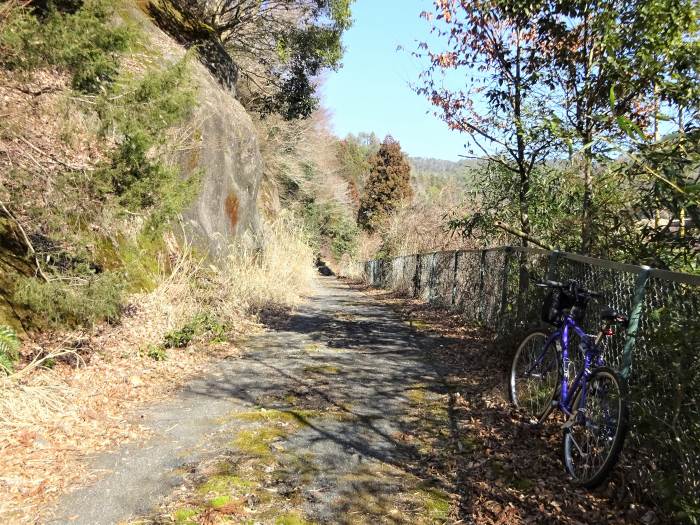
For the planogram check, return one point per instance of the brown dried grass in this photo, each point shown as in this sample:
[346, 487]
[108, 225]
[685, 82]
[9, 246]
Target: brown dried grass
[278, 274]
[52, 420]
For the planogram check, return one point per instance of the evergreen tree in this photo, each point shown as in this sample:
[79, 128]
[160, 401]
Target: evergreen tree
[388, 184]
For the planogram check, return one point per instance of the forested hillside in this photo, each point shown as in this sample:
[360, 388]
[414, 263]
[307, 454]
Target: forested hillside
[439, 167]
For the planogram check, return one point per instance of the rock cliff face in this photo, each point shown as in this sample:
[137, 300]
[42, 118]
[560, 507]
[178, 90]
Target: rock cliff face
[226, 154]
[229, 159]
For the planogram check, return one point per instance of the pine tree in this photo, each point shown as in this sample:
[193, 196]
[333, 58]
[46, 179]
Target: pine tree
[388, 184]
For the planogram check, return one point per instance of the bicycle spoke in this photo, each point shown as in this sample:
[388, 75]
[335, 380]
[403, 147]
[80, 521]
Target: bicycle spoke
[534, 375]
[591, 439]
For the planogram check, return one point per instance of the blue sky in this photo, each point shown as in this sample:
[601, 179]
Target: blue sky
[372, 93]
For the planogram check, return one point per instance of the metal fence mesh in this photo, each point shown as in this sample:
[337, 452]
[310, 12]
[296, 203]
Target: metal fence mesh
[661, 357]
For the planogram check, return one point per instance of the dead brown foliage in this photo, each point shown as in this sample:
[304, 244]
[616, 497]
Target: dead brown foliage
[53, 420]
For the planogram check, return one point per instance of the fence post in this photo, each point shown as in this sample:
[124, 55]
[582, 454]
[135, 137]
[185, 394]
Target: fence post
[552, 265]
[454, 278]
[481, 307]
[416, 277]
[432, 278]
[634, 317]
[504, 284]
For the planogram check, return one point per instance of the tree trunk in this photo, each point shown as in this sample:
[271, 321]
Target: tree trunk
[524, 187]
[587, 212]
[523, 171]
[585, 120]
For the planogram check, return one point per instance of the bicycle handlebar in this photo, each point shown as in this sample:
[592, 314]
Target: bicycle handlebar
[571, 285]
[550, 284]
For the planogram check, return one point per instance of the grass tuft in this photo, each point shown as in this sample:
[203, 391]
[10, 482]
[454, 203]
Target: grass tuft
[277, 274]
[204, 325]
[437, 504]
[186, 516]
[9, 344]
[223, 484]
[256, 442]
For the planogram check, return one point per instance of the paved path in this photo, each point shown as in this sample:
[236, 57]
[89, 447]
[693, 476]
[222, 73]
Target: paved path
[341, 352]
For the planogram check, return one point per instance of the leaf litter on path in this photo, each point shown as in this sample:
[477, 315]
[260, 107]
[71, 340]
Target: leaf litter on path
[509, 471]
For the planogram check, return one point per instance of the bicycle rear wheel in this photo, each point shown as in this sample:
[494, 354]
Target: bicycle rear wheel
[592, 444]
[535, 375]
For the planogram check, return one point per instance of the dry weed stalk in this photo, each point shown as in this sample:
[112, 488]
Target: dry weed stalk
[278, 274]
[420, 226]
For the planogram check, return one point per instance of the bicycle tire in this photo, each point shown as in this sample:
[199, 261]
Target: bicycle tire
[551, 356]
[601, 473]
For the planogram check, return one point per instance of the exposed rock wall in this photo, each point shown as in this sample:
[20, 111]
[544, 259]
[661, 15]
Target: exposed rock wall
[229, 157]
[226, 153]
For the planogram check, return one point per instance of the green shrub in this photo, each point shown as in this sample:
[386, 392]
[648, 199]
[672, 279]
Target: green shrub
[9, 344]
[141, 112]
[86, 43]
[330, 224]
[81, 301]
[344, 237]
[180, 338]
[210, 328]
[203, 325]
[156, 352]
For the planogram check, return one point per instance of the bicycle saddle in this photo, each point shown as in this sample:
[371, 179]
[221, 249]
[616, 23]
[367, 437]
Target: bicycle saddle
[608, 314]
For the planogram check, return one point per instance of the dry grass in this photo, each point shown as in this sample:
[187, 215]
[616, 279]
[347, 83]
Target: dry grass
[52, 419]
[351, 267]
[417, 227]
[421, 227]
[278, 274]
[303, 153]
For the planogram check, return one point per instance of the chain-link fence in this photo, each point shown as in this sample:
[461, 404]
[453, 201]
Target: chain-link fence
[659, 353]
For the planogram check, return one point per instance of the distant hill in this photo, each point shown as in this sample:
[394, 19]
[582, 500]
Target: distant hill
[439, 167]
[435, 173]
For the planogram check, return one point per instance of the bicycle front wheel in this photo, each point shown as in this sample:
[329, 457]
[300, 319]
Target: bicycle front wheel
[535, 375]
[592, 443]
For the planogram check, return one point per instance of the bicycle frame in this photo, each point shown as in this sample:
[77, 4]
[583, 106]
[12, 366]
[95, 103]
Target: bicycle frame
[594, 403]
[592, 355]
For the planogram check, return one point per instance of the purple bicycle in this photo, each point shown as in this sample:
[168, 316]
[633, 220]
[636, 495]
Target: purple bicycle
[595, 404]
